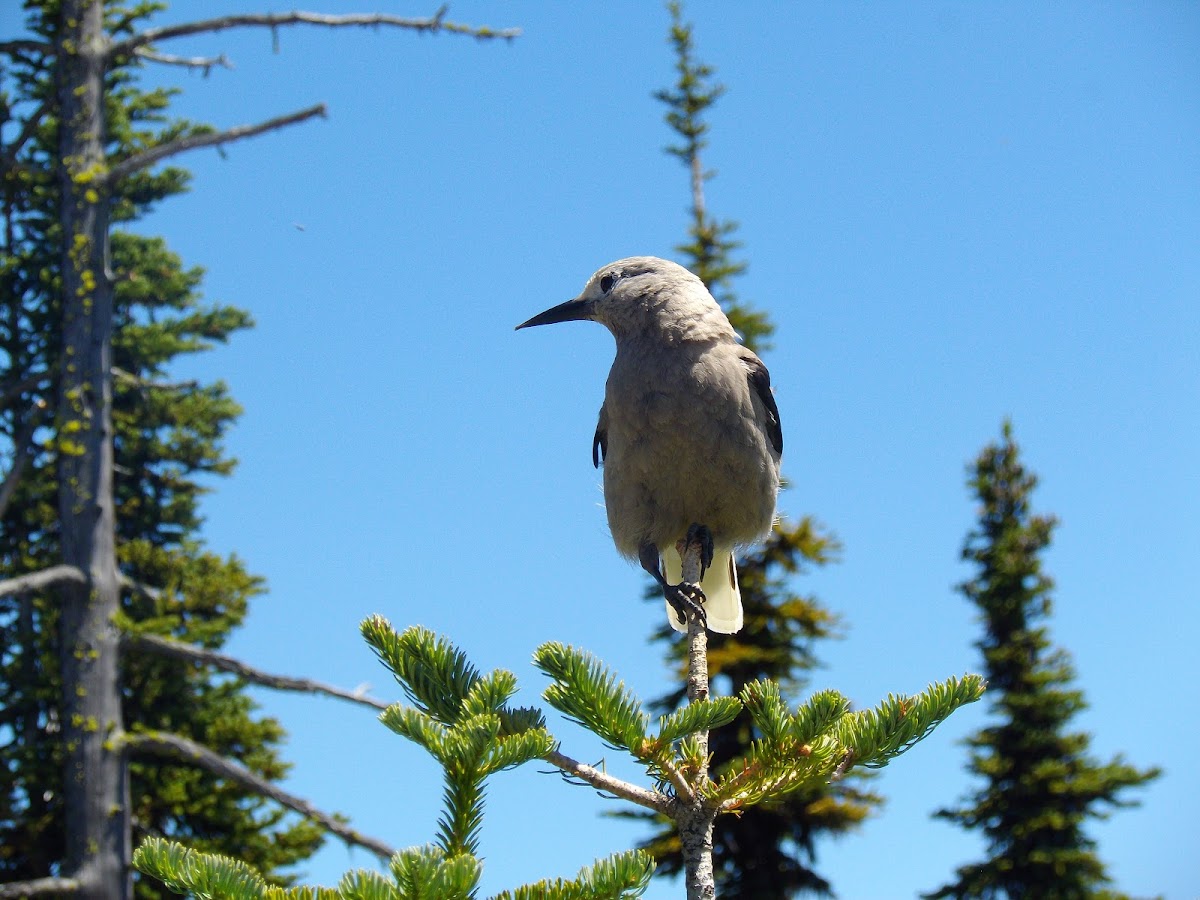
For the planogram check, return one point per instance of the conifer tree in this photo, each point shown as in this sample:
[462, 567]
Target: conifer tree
[768, 851]
[114, 724]
[1040, 787]
[166, 437]
[463, 719]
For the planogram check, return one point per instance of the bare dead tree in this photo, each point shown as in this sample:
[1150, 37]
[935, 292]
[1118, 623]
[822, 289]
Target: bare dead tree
[97, 801]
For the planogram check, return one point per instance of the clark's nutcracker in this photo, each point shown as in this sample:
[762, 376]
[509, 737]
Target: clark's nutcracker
[689, 431]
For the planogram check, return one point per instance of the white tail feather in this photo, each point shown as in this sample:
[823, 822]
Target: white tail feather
[723, 599]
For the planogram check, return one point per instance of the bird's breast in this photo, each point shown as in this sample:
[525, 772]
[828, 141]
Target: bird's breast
[685, 445]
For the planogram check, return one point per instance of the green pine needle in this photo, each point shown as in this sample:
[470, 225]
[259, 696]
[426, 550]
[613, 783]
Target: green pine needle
[427, 873]
[207, 876]
[702, 715]
[366, 885]
[435, 674]
[586, 692]
[822, 738]
[517, 749]
[490, 693]
[418, 727]
[765, 705]
[462, 818]
[620, 876]
[770, 769]
[877, 736]
[521, 719]
[817, 715]
[468, 742]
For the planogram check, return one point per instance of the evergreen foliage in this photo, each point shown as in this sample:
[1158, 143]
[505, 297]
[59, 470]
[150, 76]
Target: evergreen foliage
[168, 448]
[1040, 786]
[462, 719]
[768, 851]
[710, 246]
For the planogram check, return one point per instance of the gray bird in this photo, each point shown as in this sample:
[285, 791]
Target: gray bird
[689, 432]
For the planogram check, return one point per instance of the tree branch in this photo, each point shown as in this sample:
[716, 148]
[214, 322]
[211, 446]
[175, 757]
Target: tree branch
[36, 581]
[143, 383]
[180, 749]
[10, 392]
[433, 24]
[602, 781]
[20, 46]
[683, 790]
[215, 139]
[8, 156]
[39, 887]
[697, 683]
[145, 590]
[190, 653]
[694, 821]
[206, 63]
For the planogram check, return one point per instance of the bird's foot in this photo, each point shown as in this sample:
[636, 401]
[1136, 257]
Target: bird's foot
[698, 536]
[686, 599]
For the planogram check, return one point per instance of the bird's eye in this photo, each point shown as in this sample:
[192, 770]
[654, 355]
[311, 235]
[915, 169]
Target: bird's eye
[607, 282]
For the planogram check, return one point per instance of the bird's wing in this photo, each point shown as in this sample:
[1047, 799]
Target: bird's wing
[760, 381]
[600, 439]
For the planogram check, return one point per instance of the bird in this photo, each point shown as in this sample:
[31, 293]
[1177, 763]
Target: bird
[688, 434]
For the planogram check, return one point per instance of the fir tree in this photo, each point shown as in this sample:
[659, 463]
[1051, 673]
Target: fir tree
[114, 725]
[768, 851]
[463, 719]
[166, 438]
[1040, 785]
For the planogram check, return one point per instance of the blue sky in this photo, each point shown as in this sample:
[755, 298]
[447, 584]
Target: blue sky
[953, 213]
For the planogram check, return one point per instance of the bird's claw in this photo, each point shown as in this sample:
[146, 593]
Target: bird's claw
[686, 599]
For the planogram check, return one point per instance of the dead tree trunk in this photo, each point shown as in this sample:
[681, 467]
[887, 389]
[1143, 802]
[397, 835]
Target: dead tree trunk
[96, 789]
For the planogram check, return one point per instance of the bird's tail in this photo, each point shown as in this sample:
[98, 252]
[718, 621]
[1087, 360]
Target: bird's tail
[723, 599]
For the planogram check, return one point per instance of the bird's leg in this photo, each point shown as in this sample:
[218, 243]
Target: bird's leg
[683, 597]
[702, 536]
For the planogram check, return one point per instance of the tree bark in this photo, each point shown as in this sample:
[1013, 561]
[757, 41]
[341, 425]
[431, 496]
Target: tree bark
[695, 819]
[96, 787]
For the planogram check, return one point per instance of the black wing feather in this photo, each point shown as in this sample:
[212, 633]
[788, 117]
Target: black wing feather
[760, 381]
[600, 440]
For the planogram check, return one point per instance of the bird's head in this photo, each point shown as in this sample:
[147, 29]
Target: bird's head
[644, 296]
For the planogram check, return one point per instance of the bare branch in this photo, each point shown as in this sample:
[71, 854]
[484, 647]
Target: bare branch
[697, 682]
[683, 790]
[145, 590]
[215, 139]
[39, 887]
[192, 653]
[23, 445]
[26, 46]
[180, 749]
[433, 24]
[10, 392]
[8, 156]
[36, 581]
[205, 63]
[602, 781]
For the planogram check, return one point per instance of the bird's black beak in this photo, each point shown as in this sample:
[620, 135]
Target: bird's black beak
[571, 311]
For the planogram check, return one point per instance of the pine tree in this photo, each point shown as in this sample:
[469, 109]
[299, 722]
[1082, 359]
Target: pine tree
[167, 437]
[114, 725]
[463, 719]
[768, 851]
[1040, 785]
